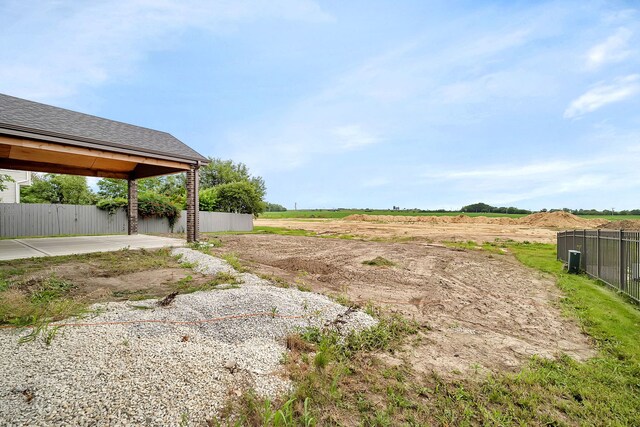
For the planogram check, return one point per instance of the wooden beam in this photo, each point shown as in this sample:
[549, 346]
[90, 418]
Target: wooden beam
[25, 165]
[39, 145]
[147, 171]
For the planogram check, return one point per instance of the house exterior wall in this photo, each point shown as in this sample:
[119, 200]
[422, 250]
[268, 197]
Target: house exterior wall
[12, 192]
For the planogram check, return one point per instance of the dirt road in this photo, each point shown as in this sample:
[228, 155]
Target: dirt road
[484, 311]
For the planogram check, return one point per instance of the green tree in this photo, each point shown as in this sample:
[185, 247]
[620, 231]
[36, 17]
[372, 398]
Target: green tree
[171, 186]
[274, 207]
[219, 172]
[208, 199]
[111, 188]
[55, 188]
[237, 197]
[478, 207]
[4, 178]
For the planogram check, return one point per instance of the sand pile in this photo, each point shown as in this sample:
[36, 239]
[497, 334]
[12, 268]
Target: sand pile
[541, 219]
[560, 220]
[626, 224]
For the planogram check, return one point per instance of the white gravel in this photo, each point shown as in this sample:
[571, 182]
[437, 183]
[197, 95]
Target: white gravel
[161, 374]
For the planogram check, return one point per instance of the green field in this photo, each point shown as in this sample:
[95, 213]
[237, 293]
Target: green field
[346, 212]
[320, 213]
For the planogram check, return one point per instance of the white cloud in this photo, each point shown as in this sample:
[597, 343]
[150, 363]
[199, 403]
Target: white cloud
[603, 94]
[613, 49]
[84, 44]
[297, 141]
[510, 172]
[505, 184]
[353, 136]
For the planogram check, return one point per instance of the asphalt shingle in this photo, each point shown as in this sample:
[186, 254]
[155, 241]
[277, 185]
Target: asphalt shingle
[37, 118]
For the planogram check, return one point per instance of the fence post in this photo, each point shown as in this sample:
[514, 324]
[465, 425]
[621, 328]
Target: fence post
[583, 258]
[598, 253]
[621, 261]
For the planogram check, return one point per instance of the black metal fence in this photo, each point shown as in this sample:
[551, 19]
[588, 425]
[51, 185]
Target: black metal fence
[609, 255]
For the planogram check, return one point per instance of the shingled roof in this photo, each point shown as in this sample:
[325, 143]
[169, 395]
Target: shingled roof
[20, 117]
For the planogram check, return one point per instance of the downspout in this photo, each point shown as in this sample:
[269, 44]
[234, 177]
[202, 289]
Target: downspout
[17, 184]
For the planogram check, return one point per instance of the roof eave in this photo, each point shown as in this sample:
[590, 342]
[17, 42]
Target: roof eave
[96, 144]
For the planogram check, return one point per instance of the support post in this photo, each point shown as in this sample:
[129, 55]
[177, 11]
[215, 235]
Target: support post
[193, 205]
[132, 207]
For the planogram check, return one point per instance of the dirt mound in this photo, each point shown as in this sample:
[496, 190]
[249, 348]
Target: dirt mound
[542, 219]
[560, 219]
[445, 219]
[626, 224]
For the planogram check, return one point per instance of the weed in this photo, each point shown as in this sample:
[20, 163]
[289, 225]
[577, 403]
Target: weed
[189, 265]
[233, 260]
[50, 334]
[321, 360]
[50, 289]
[132, 295]
[184, 419]
[220, 281]
[205, 247]
[140, 307]
[275, 280]
[342, 299]
[379, 262]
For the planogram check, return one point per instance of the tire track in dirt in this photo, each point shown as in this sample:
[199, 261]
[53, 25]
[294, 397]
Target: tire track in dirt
[485, 310]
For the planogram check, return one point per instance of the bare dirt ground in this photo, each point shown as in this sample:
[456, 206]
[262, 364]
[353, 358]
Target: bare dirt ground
[431, 232]
[539, 227]
[483, 311]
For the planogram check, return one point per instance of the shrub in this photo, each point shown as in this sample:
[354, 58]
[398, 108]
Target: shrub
[149, 204]
[112, 205]
[208, 199]
[153, 204]
[237, 197]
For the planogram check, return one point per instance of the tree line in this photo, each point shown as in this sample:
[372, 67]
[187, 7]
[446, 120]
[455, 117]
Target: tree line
[485, 208]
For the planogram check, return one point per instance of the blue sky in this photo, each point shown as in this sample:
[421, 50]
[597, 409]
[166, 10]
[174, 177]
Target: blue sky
[429, 104]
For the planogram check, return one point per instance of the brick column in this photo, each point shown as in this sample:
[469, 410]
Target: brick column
[132, 208]
[193, 205]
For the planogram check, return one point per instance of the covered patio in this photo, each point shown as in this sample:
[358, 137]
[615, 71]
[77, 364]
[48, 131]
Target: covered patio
[43, 138]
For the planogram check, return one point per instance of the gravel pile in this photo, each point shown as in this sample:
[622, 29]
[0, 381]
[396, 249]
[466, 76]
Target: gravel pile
[161, 374]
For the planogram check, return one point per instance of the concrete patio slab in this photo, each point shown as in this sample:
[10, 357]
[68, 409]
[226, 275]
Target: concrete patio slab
[10, 249]
[53, 246]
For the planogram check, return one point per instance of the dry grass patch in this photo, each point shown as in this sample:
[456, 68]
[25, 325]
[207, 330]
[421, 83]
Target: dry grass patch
[40, 290]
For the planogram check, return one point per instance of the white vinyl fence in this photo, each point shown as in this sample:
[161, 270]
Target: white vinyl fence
[25, 219]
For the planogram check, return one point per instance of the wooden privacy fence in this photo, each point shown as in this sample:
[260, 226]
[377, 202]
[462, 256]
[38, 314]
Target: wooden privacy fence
[25, 219]
[609, 255]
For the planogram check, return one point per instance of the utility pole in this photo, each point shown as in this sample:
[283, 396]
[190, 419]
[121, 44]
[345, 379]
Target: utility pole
[295, 206]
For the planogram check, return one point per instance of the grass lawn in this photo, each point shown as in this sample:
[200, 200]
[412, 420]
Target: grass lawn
[346, 383]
